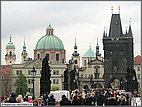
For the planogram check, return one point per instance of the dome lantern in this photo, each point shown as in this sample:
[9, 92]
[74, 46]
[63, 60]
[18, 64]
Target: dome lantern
[49, 30]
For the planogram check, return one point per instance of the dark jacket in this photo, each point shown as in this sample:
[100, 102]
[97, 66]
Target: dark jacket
[51, 101]
[13, 98]
[89, 101]
[65, 101]
[75, 102]
[101, 100]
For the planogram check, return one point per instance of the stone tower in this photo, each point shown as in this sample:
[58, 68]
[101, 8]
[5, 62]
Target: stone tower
[10, 56]
[118, 51]
[24, 54]
[75, 56]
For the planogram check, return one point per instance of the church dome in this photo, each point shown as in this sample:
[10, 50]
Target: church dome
[89, 53]
[10, 45]
[49, 42]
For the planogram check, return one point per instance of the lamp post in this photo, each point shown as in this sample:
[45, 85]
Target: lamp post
[33, 75]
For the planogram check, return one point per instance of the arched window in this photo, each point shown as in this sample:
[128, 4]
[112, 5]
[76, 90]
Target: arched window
[38, 56]
[10, 53]
[47, 56]
[84, 62]
[75, 61]
[57, 57]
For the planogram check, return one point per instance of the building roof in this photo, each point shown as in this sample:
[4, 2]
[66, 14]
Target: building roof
[89, 53]
[137, 59]
[115, 26]
[10, 45]
[47, 42]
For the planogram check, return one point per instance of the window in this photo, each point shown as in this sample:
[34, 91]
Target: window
[57, 57]
[138, 68]
[47, 56]
[30, 81]
[75, 61]
[138, 76]
[55, 72]
[38, 56]
[30, 90]
[18, 72]
[10, 53]
[10, 61]
[55, 81]
[97, 74]
[84, 62]
[29, 72]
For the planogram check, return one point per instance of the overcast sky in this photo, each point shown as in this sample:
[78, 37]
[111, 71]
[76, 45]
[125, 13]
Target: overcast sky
[84, 20]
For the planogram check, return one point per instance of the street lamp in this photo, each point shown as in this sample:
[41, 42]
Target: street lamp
[33, 75]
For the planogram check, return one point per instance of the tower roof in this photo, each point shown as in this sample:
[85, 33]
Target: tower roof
[10, 45]
[75, 50]
[130, 30]
[115, 26]
[89, 53]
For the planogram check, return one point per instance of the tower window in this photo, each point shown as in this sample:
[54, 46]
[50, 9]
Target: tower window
[84, 62]
[10, 53]
[47, 56]
[75, 61]
[57, 57]
[38, 56]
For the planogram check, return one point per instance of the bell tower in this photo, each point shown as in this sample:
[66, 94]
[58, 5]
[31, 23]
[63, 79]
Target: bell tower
[75, 56]
[24, 54]
[10, 56]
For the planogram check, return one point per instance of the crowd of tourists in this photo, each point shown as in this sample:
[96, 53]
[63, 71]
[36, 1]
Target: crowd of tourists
[97, 97]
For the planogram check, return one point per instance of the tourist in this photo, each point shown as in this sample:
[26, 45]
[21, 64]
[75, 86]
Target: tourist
[51, 100]
[65, 101]
[88, 100]
[30, 99]
[35, 103]
[12, 98]
[57, 103]
[40, 103]
[101, 99]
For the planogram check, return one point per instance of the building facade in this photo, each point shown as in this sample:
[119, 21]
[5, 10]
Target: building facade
[118, 51]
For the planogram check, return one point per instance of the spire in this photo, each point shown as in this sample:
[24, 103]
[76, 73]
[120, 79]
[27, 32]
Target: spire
[119, 9]
[90, 45]
[130, 30]
[24, 46]
[112, 9]
[49, 30]
[75, 49]
[126, 30]
[104, 32]
[97, 50]
[24, 40]
[115, 26]
[10, 38]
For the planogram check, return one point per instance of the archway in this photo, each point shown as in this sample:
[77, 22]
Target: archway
[85, 87]
[115, 83]
[98, 85]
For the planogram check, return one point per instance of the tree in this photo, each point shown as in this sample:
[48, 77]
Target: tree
[21, 86]
[54, 88]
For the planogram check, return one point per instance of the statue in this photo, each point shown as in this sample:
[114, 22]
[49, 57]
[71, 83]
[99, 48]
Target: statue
[66, 79]
[45, 82]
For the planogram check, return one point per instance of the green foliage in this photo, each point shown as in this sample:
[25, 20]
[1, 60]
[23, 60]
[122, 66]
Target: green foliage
[21, 86]
[54, 88]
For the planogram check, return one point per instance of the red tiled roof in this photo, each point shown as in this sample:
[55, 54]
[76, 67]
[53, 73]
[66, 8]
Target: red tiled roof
[137, 59]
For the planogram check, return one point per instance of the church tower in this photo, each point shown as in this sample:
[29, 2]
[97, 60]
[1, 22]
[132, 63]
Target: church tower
[10, 56]
[24, 54]
[98, 54]
[118, 51]
[75, 56]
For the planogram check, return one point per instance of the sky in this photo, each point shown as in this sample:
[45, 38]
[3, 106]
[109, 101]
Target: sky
[83, 20]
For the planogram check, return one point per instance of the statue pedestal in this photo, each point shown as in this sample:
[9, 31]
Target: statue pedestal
[45, 86]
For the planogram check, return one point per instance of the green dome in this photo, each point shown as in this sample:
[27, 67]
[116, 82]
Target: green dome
[49, 42]
[49, 27]
[10, 45]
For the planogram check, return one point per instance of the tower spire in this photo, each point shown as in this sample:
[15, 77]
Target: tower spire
[97, 49]
[10, 38]
[104, 32]
[130, 30]
[126, 29]
[112, 9]
[119, 9]
[75, 49]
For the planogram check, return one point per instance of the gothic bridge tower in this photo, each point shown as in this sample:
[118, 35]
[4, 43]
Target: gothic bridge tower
[118, 51]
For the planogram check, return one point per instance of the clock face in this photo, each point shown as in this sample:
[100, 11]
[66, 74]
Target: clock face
[116, 22]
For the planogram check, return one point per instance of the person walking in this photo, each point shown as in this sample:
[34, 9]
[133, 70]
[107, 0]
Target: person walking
[101, 99]
[40, 103]
[89, 100]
